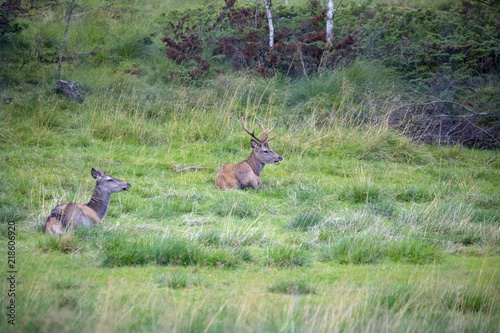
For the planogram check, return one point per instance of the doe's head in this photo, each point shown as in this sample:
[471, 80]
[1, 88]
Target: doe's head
[108, 183]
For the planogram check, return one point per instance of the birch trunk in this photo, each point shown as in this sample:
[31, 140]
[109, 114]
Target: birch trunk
[329, 21]
[270, 21]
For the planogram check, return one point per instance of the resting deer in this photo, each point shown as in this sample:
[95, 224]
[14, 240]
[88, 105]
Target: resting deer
[247, 172]
[72, 215]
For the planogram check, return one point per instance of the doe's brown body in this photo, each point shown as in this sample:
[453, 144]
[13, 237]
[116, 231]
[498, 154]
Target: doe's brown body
[73, 214]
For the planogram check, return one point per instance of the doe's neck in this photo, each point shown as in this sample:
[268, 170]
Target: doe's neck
[99, 202]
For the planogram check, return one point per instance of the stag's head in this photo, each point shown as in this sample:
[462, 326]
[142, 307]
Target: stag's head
[261, 146]
[107, 183]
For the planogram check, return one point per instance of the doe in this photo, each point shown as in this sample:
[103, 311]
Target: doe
[247, 172]
[72, 215]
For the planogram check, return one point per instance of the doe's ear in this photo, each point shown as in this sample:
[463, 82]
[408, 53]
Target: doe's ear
[253, 143]
[96, 174]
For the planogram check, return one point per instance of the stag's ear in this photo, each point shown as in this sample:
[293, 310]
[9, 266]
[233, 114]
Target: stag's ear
[96, 174]
[253, 143]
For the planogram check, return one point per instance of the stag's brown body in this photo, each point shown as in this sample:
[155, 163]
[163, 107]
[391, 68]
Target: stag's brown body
[72, 215]
[247, 173]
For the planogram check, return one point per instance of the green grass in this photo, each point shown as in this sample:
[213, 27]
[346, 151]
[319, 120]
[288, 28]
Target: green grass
[298, 287]
[366, 250]
[358, 229]
[305, 221]
[166, 251]
[286, 256]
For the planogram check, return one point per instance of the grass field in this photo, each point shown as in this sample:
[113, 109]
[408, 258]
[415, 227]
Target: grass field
[358, 230]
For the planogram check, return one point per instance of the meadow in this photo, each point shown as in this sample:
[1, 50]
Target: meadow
[359, 229]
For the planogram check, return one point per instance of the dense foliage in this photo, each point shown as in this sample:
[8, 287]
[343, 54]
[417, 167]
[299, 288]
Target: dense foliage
[8, 12]
[239, 35]
[436, 45]
[11, 9]
[448, 53]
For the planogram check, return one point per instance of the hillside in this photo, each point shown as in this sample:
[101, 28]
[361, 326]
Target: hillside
[375, 220]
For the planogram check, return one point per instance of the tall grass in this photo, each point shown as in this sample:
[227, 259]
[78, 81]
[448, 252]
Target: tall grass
[167, 251]
[299, 287]
[365, 250]
[406, 305]
[305, 221]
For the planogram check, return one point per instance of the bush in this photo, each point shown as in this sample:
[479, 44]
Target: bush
[239, 36]
[9, 10]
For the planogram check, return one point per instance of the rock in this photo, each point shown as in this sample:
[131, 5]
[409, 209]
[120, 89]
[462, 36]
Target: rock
[72, 89]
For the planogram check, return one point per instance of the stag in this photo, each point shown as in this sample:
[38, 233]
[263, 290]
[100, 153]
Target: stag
[247, 173]
[72, 215]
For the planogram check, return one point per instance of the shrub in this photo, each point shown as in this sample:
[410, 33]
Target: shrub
[9, 10]
[240, 36]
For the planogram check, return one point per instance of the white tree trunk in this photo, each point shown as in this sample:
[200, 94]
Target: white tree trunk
[329, 21]
[270, 20]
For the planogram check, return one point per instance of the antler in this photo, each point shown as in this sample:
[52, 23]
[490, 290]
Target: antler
[264, 133]
[251, 134]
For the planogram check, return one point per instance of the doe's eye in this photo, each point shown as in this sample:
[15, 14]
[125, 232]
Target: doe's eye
[110, 180]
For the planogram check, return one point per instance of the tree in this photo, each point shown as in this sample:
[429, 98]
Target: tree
[330, 14]
[267, 4]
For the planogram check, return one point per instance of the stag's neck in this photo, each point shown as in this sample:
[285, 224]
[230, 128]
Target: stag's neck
[99, 202]
[256, 165]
